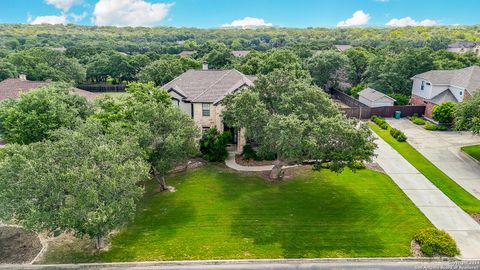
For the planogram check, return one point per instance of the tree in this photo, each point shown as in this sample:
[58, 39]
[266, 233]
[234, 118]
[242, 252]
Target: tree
[467, 114]
[279, 59]
[297, 121]
[213, 145]
[44, 64]
[7, 70]
[83, 181]
[161, 71]
[166, 134]
[111, 64]
[359, 58]
[443, 113]
[328, 68]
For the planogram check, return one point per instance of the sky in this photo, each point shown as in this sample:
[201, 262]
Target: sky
[243, 13]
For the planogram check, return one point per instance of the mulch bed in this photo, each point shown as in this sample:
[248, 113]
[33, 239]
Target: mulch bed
[476, 217]
[239, 159]
[17, 245]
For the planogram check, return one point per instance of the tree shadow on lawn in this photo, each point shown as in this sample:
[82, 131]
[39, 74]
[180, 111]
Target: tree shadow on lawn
[311, 218]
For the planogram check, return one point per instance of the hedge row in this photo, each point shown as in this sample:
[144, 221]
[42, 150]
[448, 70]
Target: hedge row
[381, 122]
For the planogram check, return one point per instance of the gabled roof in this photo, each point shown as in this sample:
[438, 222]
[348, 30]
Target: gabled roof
[468, 78]
[464, 44]
[342, 48]
[11, 88]
[208, 86]
[186, 53]
[445, 96]
[240, 53]
[373, 95]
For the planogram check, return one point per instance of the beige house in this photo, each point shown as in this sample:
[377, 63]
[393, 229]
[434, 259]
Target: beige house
[373, 98]
[199, 92]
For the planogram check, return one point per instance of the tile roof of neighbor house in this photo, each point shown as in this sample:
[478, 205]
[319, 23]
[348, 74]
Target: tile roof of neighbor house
[186, 53]
[342, 48]
[240, 53]
[372, 94]
[11, 88]
[208, 86]
[468, 78]
[464, 44]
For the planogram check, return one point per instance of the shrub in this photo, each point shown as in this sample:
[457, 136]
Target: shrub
[358, 165]
[400, 99]
[354, 90]
[248, 153]
[443, 113]
[431, 126]
[398, 135]
[265, 155]
[436, 242]
[417, 120]
[213, 145]
[380, 122]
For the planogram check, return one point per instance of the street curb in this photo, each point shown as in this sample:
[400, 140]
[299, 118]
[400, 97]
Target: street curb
[229, 262]
[465, 155]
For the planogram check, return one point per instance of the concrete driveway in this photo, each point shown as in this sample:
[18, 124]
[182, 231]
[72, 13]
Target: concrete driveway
[442, 148]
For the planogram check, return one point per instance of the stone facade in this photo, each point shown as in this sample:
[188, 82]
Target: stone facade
[416, 100]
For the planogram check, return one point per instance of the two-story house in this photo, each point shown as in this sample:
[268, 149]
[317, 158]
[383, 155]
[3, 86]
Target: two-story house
[465, 47]
[199, 92]
[438, 86]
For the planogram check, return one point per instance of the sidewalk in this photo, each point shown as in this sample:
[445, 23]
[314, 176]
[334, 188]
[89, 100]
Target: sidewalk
[436, 206]
[442, 148]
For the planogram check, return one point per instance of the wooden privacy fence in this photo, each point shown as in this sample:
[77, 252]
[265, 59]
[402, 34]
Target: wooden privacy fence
[389, 111]
[346, 99]
[102, 87]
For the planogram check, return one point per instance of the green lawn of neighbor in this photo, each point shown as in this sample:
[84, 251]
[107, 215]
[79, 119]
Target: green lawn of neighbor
[455, 192]
[473, 151]
[219, 214]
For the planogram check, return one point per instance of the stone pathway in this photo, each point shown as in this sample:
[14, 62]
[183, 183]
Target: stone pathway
[231, 163]
[436, 206]
[442, 148]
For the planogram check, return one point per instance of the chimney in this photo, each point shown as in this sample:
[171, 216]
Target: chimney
[205, 65]
[22, 77]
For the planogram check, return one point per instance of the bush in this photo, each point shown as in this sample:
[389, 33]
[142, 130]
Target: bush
[358, 165]
[354, 90]
[398, 135]
[400, 99]
[417, 120]
[380, 122]
[436, 242]
[213, 145]
[248, 153]
[443, 113]
[431, 126]
[266, 155]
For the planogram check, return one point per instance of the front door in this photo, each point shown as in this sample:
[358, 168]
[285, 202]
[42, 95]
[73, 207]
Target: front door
[233, 134]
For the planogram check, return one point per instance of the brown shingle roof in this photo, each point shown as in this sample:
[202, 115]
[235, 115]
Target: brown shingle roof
[11, 88]
[208, 85]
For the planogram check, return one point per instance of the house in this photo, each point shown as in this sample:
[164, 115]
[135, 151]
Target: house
[11, 88]
[187, 53]
[439, 86]
[373, 98]
[464, 47]
[199, 92]
[342, 48]
[240, 53]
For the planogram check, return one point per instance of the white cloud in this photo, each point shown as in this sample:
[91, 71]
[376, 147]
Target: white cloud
[62, 19]
[407, 21]
[358, 18]
[78, 17]
[63, 4]
[248, 22]
[129, 12]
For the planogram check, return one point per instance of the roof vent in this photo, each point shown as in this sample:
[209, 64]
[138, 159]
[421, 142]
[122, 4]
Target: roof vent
[205, 66]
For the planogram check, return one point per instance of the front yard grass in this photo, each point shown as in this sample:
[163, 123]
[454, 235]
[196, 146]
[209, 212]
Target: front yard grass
[455, 192]
[473, 151]
[220, 214]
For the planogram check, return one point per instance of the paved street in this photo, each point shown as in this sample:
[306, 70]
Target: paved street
[442, 148]
[437, 207]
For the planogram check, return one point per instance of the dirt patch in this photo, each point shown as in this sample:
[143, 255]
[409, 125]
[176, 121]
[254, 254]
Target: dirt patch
[190, 164]
[415, 249]
[375, 167]
[239, 159]
[476, 217]
[17, 245]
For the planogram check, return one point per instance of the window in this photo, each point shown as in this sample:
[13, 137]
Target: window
[461, 93]
[423, 85]
[205, 109]
[176, 102]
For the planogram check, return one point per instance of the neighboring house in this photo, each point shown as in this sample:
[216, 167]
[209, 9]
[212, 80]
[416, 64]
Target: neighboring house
[439, 86]
[240, 53]
[373, 98]
[187, 53]
[11, 88]
[343, 47]
[464, 47]
[199, 92]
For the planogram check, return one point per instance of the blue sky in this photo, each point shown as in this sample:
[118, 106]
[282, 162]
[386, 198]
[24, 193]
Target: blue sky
[245, 13]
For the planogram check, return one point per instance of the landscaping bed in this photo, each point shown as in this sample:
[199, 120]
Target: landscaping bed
[219, 214]
[251, 162]
[17, 245]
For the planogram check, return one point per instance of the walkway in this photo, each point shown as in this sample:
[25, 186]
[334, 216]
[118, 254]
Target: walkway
[231, 163]
[435, 205]
[442, 148]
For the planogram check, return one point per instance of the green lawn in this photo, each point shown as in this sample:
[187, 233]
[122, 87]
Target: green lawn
[219, 214]
[454, 191]
[473, 151]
